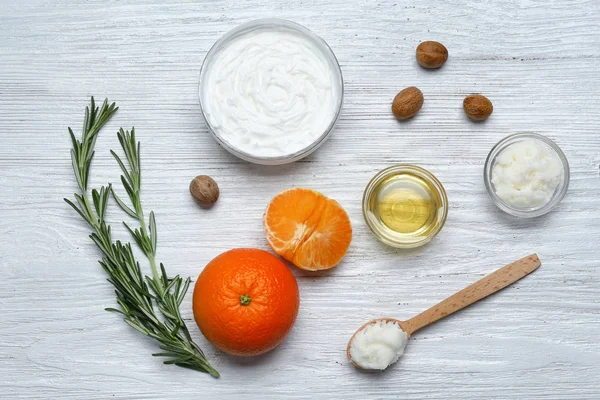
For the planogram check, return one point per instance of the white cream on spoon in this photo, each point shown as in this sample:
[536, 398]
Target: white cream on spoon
[378, 344]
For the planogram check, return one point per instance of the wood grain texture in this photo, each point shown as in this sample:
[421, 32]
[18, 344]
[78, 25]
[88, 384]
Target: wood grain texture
[535, 60]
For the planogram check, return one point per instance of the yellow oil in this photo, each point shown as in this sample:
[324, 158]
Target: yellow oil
[407, 205]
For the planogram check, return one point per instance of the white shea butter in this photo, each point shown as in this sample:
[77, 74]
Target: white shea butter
[378, 345]
[271, 92]
[526, 174]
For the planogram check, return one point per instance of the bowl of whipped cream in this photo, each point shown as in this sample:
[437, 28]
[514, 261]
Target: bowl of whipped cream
[271, 91]
[526, 174]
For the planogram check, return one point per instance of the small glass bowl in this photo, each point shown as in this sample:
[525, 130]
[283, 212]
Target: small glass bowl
[389, 236]
[525, 212]
[308, 34]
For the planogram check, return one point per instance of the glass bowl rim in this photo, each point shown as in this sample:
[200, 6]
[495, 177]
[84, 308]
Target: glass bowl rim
[422, 173]
[302, 30]
[560, 191]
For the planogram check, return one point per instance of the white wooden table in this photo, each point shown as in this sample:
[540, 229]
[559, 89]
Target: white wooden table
[536, 60]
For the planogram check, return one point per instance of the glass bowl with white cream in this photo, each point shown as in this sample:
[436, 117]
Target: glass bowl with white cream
[271, 91]
[526, 174]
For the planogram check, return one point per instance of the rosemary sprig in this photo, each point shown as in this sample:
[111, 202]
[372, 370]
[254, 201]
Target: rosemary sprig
[138, 296]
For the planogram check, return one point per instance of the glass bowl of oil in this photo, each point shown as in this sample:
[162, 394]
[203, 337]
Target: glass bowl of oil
[405, 206]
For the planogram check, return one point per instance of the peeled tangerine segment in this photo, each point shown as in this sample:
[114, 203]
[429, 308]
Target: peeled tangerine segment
[307, 228]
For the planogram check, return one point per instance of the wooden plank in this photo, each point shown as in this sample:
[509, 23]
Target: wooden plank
[537, 62]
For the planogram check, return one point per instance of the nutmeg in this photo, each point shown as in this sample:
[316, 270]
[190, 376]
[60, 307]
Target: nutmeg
[204, 190]
[431, 54]
[407, 103]
[477, 107]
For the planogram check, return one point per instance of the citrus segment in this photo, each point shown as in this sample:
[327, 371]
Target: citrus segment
[307, 228]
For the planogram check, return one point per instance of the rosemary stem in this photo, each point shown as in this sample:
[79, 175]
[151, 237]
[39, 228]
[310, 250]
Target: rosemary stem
[137, 294]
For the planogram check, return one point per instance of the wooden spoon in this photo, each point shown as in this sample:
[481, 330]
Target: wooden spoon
[482, 288]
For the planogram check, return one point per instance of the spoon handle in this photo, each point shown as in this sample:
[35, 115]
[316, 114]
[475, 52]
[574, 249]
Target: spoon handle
[482, 288]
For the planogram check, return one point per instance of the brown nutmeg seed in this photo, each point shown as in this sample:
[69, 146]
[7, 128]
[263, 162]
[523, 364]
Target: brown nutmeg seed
[477, 107]
[204, 190]
[407, 103]
[431, 54]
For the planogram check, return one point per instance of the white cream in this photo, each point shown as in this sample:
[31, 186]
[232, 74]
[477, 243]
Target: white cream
[378, 345]
[270, 92]
[526, 174]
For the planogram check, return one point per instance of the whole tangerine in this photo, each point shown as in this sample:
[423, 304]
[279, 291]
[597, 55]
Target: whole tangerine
[246, 301]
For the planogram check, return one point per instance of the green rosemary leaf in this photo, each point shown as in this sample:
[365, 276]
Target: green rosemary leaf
[170, 362]
[125, 171]
[73, 140]
[130, 149]
[93, 113]
[86, 172]
[172, 283]
[163, 272]
[128, 188]
[104, 193]
[168, 314]
[86, 120]
[123, 206]
[153, 235]
[175, 329]
[121, 137]
[96, 200]
[171, 348]
[98, 241]
[69, 202]
[165, 355]
[114, 310]
[136, 235]
[156, 287]
[139, 161]
[84, 208]
[136, 326]
[176, 282]
[74, 158]
[184, 290]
